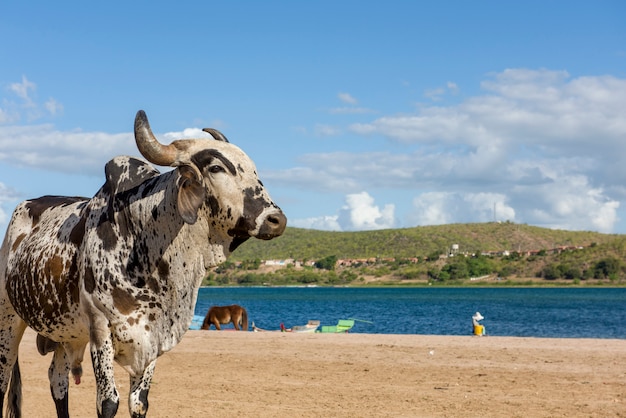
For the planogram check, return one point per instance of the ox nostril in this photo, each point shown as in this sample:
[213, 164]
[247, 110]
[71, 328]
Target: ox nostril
[273, 226]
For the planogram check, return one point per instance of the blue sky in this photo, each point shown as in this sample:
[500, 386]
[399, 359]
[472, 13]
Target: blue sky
[360, 115]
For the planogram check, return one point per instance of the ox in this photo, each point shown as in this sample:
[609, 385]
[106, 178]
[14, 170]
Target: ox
[121, 270]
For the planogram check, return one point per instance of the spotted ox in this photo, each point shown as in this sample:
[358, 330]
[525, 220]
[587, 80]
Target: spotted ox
[121, 270]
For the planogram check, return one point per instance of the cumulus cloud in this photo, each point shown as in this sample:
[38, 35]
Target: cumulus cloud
[565, 201]
[359, 213]
[184, 134]
[43, 146]
[546, 147]
[438, 208]
[531, 108]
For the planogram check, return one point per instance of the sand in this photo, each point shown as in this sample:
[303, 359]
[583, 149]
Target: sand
[246, 374]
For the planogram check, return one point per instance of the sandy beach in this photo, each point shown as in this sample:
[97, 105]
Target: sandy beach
[245, 374]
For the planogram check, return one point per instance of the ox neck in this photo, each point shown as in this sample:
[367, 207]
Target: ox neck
[199, 242]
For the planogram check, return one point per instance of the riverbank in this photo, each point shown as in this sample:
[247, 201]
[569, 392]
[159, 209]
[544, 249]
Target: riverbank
[230, 374]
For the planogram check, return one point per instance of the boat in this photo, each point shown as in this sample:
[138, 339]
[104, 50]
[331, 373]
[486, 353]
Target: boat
[310, 327]
[343, 325]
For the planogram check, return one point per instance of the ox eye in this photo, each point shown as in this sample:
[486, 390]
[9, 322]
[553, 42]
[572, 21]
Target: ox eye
[216, 169]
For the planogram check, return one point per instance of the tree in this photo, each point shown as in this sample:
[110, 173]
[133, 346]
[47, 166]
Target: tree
[506, 271]
[551, 272]
[607, 267]
[572, 273]
[457, 269]
[478, 266]
[327, 263]
[251, 264]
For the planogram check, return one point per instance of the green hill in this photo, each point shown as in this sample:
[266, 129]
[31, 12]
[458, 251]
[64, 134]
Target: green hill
[307, 244]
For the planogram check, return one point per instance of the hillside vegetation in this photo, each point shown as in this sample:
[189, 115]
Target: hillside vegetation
[308, 244]
[487, 253]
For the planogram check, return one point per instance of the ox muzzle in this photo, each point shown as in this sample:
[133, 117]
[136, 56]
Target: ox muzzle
[272, 225]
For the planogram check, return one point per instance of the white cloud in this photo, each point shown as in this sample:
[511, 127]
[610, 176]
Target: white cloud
[23, 104]
[184, 134]
[347, 98]
[552, 199]
[566, 202]
[53, 107]
[23, 90]
[351, 109]
[452, 87]
[360, 213]
[344, 172]
[530, 108]
[43, 146]
[8, 197]
[5, 117]
[324, 223]
[437, 94]
[437, 208]
[547, 147]
[432, 208]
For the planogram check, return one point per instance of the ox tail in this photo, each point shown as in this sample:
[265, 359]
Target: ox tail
[14, 400]
[244, 320]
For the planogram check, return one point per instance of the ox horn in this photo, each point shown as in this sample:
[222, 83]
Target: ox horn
[217, 135]
[149, 146]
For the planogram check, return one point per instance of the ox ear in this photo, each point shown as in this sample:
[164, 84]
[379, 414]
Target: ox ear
[191, 193]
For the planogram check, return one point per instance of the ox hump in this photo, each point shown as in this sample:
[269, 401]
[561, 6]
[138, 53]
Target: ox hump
[124, 173]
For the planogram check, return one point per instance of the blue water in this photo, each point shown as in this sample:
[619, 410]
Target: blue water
[520, 312]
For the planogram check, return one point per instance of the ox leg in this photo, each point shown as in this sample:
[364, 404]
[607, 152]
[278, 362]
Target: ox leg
[59, 381]
[139, 387]
[11, 332]
[107, 397]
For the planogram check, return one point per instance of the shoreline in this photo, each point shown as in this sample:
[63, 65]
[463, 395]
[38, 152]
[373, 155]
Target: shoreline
[226, 374]
[475, 284]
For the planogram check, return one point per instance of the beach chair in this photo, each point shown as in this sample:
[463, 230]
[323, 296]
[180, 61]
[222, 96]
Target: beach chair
[345, 325]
